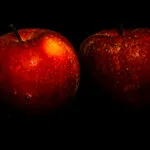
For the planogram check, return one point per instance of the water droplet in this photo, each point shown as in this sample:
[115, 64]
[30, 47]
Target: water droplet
[15, 92]
[126, 45]
[28, 97]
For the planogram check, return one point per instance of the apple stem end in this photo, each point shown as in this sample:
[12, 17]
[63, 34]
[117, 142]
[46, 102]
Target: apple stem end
[16, 32]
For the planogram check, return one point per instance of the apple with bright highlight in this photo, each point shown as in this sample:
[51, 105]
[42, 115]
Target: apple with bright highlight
[39, 69]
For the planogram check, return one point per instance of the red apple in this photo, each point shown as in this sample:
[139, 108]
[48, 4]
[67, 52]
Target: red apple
[120, 63]
[39, 69]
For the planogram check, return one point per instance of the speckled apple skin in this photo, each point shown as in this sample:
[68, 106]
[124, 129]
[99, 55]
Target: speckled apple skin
[42, 71]
[120, 63]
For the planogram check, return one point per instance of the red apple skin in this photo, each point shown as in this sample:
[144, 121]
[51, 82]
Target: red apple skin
[40, 72]
[120, 64]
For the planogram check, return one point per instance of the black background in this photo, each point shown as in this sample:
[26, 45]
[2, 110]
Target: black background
[76, 21]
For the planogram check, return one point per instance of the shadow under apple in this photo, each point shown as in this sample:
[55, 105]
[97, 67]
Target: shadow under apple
[99, 101]
[68, 115]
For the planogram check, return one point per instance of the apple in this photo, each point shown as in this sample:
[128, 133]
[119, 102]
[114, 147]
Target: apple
[39, 69]
[118, 61]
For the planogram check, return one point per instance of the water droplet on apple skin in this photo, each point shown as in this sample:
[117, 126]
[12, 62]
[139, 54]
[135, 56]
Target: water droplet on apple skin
[15, 92]
[28, 97]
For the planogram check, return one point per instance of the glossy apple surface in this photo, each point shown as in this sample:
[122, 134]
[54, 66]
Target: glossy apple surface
[120, 64]
[40, 72]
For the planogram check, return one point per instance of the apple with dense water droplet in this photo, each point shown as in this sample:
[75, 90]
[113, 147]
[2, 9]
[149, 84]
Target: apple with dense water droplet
[39, 69]
[119, 62]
